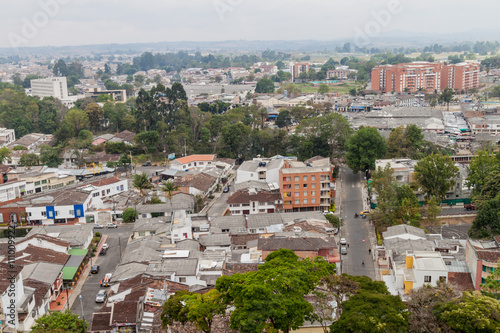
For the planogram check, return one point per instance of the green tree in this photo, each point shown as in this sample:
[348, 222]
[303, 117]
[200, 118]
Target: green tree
[95, 114]
[481, 165]
[446, 96]
[383, 183]
[341, 288]
[236, 136]
[491, 285]
[405, 142]
[198, 309]
[421, 303]
[323, 89]
[50, 156]
[489, 189]
[432, 210]
[59, 322]
[147, 140]
[169, 188]
[436, 175]
[129, 215]
[29, 160]
[363, 148]
[473, 312]
[407, 206]
[487, 220]
[369, 311]
[142, 183]
[76, 120]
[264, 86]
[273, 296]
[333, 219]
[284, 119]
[4, 154]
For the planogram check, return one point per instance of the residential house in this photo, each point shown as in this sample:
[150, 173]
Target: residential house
[124, 136]
[180, 201]
[78, 236]
[192, 161]
[262, 169]
[7, 136]
[483, 258]
[151, 226]
[423, 267]
[252, 201]
[197, 184]
[310, 247]
[33, 141]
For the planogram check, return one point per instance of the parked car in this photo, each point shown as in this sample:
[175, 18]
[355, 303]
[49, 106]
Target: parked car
[111, 225]
[103, 251]
[98, 226]
[470, 207]
[343, 241]
[101, 296]
[226, 189]
[105, 246]
[343, 250]
[148, 163]
[94, 269]
[364, 212]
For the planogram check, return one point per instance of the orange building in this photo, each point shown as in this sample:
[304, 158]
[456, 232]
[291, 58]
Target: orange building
[296, 69]
[425, 76]
[305, 186]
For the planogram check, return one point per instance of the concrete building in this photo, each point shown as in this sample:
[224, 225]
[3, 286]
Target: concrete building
[50, 87]
[482, 257]
[425, 76]
[423, 267]
[306, 186]
[7, 136]
[297, 68]
[265, 170]
[192, 161]
[252, 201]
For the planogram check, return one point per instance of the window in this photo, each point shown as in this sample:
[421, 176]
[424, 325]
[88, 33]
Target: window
[44, 181]
[108, 191]
[313, 185]
[1, 218]
[44, 213]
[103, 193]
[142, 233]
[313, 200]
[118, 188]
[225, 230]
[95, 194]
[427, 279]
[182, 279]
[305, 201]
[296, 178]
[78, 212]
[296, 194]
[304, 178]
[313, 193]
[121, 187]
[297, 186]
[288, 179]
[305, 193]
[237, 211]
[50, 214]
[313, 177]
[297, 201]
[305, 186]
[189, 164]
[37, 183]
[71, 212]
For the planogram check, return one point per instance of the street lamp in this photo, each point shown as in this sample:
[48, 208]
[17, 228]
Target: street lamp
[81, 304]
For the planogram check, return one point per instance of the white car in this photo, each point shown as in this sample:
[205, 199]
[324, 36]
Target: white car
[111, 225]
[343, 241]
[101, 296]
[105, 246]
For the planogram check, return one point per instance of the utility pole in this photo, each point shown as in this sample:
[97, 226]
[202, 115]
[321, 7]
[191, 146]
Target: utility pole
[81, 304]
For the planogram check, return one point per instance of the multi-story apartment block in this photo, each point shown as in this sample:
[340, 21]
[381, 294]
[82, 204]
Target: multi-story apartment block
[305, 186]
[425, 76]
[252, 201]
[298, 68]
[50, 87]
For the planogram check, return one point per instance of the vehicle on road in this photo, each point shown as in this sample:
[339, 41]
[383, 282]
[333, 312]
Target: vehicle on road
[226, 189]
[103, 251]
[326, 212]
[364, 212]
[343, 250]
[148, 163]
[98, 226]
[470, 207]
[111, 225]
[105, 246]
[101, 296]
[94, 269]
[343, 241]
[106, 281]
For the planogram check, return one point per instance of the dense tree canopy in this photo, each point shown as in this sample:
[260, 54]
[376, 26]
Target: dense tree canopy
[436, 174]
[363, 148]
[59, 322]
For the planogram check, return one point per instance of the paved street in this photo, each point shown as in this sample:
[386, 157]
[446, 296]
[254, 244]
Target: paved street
[117, 239]
[355, 229]
[220, 205]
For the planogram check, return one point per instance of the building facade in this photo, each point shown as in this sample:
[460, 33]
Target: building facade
[50, 87]
[425, 76]
[298, 68]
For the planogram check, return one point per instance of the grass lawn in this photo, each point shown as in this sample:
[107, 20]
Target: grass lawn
[341, 88]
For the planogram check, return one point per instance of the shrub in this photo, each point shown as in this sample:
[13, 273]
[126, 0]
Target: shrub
[129, 215]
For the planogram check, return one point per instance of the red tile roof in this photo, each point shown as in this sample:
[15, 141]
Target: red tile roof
[41, 290]
[461, 281]
[195, 158]
[34, 254]
[47, 238]
[244, 196]
[100, 321]
[6, 271]
[104, 182]
[492, 256]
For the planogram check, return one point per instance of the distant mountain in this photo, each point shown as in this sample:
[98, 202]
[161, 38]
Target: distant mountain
[394, 38]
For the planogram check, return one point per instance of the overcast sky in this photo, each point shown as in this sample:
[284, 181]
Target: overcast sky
[78, 22]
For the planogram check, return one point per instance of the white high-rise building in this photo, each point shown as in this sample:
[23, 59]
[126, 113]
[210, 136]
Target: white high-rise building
[50, 87]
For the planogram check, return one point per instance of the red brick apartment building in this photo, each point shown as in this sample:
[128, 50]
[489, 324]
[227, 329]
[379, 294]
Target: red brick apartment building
[305, 186]
[425, 75]
[296, 69]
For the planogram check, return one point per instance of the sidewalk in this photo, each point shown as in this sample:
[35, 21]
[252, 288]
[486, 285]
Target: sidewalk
[86, 271]
[372, 236]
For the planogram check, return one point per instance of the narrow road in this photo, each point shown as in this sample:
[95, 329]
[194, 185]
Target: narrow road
[355, 230]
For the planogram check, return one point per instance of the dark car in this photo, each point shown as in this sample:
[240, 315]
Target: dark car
[103, 251]
[94, 269]
[146, 164]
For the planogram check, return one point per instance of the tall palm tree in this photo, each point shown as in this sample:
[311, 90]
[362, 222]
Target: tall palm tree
[142, 183]
[169, 188]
